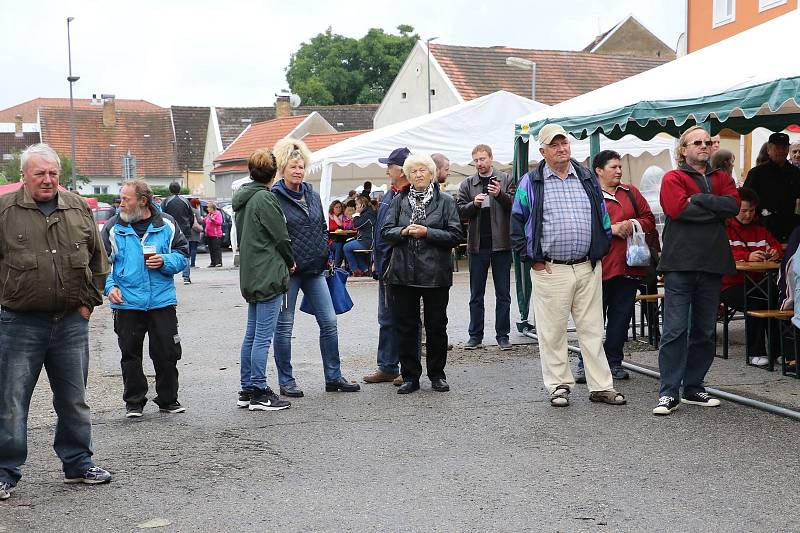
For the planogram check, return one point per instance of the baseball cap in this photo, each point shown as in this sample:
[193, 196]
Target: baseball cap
[397, 157]
[549, 132]
[779, 138]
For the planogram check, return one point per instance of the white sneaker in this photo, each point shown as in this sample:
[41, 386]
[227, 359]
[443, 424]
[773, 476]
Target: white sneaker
[759, 361]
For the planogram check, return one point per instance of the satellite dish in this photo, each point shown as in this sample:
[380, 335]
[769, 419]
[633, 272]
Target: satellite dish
[294, 100]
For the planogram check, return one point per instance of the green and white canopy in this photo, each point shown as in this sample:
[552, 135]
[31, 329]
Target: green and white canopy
[749, 80]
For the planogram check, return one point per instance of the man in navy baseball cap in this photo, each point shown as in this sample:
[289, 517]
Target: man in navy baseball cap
[397, 157]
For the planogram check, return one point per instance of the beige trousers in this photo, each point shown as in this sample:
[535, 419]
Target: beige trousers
[576, 289]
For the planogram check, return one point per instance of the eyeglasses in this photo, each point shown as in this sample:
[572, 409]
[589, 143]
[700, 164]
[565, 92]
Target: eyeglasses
[700, 143]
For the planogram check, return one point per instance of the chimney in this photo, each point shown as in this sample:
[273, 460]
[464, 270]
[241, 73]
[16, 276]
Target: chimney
[283, 108]
[18, 126]
[109, 112]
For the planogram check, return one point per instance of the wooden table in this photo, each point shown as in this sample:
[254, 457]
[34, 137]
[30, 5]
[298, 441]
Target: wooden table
[759, 283]
[341, 235]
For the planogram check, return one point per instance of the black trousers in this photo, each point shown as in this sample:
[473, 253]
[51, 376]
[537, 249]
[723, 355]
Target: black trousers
[215, 249]
[405, 310]
[161, 327]
[756, 327]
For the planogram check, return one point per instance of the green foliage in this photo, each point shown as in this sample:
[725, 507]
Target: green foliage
[334, 69]
[162, 191]
[13, 170]
[107, 198]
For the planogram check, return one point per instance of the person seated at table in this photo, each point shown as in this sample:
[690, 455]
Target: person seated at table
[349, 211]
[364, 223]
[750, 241]
[336, 223]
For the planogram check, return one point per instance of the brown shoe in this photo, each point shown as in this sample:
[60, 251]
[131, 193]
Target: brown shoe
[379, 376]
[397, 381]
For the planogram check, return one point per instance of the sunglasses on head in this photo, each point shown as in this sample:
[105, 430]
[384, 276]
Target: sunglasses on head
[700, 143]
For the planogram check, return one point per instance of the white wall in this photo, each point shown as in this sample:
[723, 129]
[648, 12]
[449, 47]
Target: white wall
[113, 184]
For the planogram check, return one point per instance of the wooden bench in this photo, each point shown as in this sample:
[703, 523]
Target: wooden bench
[649, 297]
[649, 304]
[772, 313]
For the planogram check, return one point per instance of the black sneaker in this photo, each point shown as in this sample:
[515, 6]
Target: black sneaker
[266, 400]
[173, 408]
[700, 398]
[244, 398]
[134, 411]
[504, 345]
[5, 490]
[666, 404]
[473, 344]
[94, 476]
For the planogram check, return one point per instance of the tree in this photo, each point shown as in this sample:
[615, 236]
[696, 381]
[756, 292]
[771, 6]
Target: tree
[334, 69]
[13, 170]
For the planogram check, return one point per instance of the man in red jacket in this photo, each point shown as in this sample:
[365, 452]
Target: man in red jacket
[750, 241]
[696, 201]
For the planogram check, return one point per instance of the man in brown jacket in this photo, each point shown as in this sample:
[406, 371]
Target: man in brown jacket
[52, 270]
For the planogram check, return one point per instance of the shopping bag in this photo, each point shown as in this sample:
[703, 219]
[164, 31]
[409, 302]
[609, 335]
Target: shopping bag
[638, 253]
[337, 286]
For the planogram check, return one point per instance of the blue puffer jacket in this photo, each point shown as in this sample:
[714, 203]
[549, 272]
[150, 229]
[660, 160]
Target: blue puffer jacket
[308, 227]
[144, 288]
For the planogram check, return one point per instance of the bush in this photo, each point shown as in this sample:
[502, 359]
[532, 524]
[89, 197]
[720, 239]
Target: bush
[160, 190]
[107, 198]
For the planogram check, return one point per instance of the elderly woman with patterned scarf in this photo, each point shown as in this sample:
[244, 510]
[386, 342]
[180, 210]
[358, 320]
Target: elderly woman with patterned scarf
[423, 227]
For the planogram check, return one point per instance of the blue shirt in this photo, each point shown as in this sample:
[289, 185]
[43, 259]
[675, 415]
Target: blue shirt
[566, 217]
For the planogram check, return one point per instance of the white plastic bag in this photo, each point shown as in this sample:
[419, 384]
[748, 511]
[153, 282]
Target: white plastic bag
[638, 253]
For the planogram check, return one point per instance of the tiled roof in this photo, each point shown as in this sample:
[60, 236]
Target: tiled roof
[99, 149]
[322, 140]
[234, 120]
[10, 143]
[191, 128]
[225, 167]
[28, 109]
[259, 135]
[560, 75]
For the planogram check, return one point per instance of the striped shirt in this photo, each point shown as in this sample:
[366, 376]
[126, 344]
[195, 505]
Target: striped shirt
[566, 217]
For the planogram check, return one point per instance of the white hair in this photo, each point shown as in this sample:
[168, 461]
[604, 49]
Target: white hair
[42, 150]
[415, 160]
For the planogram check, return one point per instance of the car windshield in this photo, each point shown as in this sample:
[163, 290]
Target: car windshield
[103, 214]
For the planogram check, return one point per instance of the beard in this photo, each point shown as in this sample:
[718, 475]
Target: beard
[133, 215]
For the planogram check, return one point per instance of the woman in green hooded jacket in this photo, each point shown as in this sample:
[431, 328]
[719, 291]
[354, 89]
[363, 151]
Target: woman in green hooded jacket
[265, 261]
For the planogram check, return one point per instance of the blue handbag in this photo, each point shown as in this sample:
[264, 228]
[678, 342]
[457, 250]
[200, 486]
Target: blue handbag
[337, 286]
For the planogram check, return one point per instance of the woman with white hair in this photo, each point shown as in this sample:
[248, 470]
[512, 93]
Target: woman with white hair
[308, 231]
[423, 227]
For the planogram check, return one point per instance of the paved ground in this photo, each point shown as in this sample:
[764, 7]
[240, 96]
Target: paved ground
[491, 454]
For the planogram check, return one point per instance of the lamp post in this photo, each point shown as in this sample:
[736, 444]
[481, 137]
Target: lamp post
[71, 79]
[428, 46]
[525, 64]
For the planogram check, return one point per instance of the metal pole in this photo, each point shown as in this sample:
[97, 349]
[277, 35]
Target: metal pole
[533, 81]
[72, 79]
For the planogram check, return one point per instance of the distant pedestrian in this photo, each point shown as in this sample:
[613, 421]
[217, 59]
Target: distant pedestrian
[197, 232]
[180, 209]
[213, 229]
[265, 255]
[54, 266]
[364, 223]
[308, 230]
[146, 251]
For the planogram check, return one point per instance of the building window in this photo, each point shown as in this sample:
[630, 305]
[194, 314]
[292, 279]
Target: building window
[100, 189]
[724, 12]
[763, 5]
[403, 96]
[433, 92]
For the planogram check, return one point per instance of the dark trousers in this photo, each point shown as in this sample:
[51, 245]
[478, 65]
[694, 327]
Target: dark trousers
[756, 327]
[405, 310]
[161, 327]
[215, 249]
[192, 252]
[479, 264]
[687, 346]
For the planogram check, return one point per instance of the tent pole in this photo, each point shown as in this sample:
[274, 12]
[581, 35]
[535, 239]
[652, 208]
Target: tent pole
[522, 272]
[594, 146]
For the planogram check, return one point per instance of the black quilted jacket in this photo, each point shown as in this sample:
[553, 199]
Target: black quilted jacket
[308, 228]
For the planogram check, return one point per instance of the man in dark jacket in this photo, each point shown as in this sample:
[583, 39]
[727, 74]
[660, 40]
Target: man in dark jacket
[54, 268]
[560, 224]
[696, 254]
[177, 206]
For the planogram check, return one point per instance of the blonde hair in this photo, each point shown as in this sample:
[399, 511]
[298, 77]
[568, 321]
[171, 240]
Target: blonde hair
[288, 149]
[415, 160]
[679, 157]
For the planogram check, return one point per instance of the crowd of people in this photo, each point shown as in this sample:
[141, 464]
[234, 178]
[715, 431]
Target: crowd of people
[569, 226]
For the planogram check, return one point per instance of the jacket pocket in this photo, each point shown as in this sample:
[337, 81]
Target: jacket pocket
[21, 279]
[77, 277]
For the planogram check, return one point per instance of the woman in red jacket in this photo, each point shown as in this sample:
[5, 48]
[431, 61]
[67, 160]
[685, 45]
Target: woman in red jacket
[624, 204]
[750, 241]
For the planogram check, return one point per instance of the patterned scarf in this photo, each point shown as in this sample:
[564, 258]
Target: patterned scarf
[419, 200]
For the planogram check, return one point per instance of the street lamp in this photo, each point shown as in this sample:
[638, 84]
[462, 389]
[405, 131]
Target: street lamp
[428, 46]
[525, 64]
[71, 79]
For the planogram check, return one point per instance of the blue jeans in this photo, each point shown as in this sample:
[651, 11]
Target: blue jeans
[618, 296]
[338, 253]
[192, 253]
[501, 276]
[60, 344]
[687, 343]
[354, 260]
[388, 359]
[315, 288]
[262, 317]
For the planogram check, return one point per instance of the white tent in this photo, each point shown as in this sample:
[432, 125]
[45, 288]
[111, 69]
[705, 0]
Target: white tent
[453, 132]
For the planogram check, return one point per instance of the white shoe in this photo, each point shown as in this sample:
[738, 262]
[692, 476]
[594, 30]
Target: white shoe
[759, 361]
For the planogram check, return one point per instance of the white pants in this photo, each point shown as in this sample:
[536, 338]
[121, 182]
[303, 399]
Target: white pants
[576, 289]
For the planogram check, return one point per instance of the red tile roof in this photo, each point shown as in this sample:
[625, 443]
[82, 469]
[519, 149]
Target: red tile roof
[225, 167]
[560, 75]
[99, 149]
[321, 140]
[259, 135]
[28, 109]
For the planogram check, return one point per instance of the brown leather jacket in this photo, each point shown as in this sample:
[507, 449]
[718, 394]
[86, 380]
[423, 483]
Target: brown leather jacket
[49, 264]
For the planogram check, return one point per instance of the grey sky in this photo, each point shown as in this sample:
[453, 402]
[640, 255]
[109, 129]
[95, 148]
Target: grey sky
[235, 52]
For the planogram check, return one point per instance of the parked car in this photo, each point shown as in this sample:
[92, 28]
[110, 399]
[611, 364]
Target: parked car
[227, 223]
[103, 213]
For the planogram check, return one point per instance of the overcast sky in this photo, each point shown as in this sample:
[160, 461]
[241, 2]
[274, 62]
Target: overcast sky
[235, 52]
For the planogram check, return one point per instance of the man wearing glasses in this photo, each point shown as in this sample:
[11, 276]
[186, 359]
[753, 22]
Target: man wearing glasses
[696, 254]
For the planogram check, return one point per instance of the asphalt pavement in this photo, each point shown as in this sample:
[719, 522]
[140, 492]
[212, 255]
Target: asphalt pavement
[492, 454]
